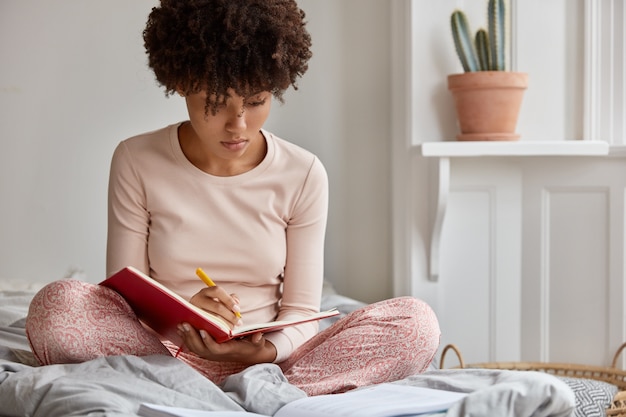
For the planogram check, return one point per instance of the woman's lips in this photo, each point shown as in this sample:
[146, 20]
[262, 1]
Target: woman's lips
[235, 145]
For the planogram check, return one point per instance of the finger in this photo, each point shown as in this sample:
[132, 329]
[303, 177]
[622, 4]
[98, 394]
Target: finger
[209, 300]
[256, 338]
[192, 339]
[236, 308]
[210, 345]
[216, 306]
[231, 301]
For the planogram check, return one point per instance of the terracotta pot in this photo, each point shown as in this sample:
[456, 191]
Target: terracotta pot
[488, 103]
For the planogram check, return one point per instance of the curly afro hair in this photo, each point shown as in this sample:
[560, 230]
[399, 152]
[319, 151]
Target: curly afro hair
[215, 45]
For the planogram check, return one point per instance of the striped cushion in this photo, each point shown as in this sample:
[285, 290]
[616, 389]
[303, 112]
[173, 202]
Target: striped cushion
[592, 397]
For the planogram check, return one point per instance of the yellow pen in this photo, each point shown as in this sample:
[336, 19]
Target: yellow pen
[209, 282]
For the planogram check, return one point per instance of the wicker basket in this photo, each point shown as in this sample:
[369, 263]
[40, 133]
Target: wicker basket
[611, 375]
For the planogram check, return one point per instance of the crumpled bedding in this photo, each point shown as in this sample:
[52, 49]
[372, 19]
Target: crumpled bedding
[500, 392]
[115, 386]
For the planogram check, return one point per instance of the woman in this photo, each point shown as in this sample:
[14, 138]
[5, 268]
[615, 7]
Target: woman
[219, 192]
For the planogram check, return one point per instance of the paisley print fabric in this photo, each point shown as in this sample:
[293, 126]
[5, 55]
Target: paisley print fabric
[71, 321]
[381, 342]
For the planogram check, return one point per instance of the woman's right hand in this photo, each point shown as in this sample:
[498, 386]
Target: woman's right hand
[217, 301]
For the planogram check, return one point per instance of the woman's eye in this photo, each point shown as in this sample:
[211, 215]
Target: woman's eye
[256, 103]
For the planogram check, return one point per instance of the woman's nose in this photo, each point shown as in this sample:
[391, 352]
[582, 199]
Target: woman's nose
[237, 117]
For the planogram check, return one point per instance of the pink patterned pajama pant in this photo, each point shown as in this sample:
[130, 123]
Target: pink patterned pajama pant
[71, 321]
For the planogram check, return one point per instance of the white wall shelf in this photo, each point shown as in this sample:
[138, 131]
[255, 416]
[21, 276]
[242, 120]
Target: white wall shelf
[453, 149]
[517, 148]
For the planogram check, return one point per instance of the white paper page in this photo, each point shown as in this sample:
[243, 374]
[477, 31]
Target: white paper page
[154, 410]
[385, 400]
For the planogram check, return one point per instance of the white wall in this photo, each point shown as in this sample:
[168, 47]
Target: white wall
[341, 112]
[73, 83]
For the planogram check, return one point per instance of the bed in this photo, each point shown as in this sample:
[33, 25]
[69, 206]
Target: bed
[117, 386]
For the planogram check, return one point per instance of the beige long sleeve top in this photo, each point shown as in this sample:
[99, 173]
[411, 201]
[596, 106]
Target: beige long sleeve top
[259, 234]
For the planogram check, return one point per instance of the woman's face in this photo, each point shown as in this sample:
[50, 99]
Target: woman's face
[235, 126]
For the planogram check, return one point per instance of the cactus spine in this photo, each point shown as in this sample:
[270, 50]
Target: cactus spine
[486, 53]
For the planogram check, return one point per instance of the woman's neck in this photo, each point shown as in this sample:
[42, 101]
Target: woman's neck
[201, 156]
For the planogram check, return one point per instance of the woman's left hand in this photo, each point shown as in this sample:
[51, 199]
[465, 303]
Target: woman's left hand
[249, 350]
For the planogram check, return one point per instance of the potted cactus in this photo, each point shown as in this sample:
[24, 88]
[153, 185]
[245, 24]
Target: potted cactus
[487, 97]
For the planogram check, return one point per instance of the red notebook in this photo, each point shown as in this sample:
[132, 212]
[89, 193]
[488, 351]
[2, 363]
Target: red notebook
[163, 310]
